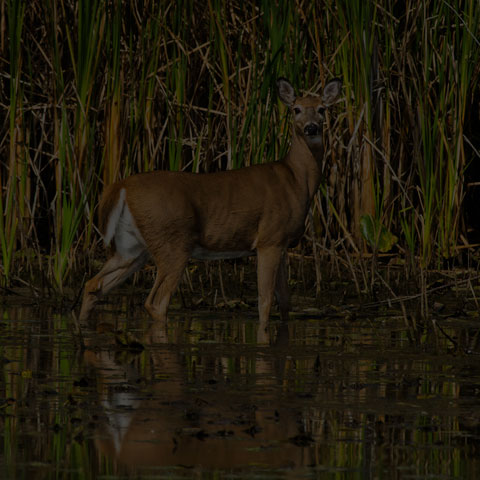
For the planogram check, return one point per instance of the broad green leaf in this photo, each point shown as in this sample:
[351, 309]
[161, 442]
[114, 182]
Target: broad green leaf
[376, 235]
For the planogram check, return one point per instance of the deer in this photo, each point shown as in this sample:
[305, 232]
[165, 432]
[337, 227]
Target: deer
[172, 217]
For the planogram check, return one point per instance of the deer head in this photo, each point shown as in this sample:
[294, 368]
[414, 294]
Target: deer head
[309, 111]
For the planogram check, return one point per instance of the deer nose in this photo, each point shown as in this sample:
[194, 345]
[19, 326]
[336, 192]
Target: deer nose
[311, 129]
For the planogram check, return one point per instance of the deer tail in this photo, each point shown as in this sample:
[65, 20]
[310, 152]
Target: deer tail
[110, 210]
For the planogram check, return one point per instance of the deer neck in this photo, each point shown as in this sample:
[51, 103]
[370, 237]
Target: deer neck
[305, 162]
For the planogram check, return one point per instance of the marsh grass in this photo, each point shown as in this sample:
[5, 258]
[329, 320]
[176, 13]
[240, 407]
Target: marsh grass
[15, 197]
[94, 90]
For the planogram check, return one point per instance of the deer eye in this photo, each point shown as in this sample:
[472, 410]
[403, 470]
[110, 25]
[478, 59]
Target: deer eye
[321, 110]
[297, 110]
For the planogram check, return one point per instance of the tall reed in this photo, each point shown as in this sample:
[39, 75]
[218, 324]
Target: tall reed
[95, 90]
[14, 178]
[76, 172]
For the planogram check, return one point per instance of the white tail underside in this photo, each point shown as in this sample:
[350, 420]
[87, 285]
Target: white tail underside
[121, 226]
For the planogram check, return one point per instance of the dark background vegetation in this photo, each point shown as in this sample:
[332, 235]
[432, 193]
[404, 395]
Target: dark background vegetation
[94, 90]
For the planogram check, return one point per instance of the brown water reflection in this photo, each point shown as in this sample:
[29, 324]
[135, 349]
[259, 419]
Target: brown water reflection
[327, 399]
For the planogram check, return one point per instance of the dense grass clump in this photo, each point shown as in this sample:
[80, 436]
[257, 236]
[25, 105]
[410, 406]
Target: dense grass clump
[95, 90]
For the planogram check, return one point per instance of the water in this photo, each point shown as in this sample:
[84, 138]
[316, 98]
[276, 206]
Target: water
[329, 398]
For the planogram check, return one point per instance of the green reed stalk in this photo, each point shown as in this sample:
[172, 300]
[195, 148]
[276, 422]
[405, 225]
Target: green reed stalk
[75, 177]
[114, 138]
[427, 174]
[218, 34]
[62, 145]
[270, 137]
[177, 85]
[144, 144]
[89, 40]
[130, 87]
[447, 70]
[12, 198]
[360, 72]
[456, 85]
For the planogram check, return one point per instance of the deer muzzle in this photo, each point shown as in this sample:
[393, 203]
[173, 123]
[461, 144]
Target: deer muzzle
[311, 129]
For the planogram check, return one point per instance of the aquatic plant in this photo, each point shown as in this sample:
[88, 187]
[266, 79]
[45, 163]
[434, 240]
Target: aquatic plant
[94, 90]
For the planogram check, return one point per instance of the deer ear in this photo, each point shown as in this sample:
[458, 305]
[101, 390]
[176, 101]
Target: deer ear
[331, 91]
[286, 92]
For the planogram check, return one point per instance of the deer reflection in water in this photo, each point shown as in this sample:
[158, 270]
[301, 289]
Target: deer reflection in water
[173, 420]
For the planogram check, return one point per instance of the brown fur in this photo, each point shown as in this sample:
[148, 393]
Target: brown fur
[258, 209]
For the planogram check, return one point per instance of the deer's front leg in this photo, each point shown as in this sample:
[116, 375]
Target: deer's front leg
[268, 260]
[282, 294]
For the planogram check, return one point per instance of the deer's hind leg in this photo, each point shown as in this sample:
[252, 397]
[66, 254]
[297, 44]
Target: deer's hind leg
[170, 267]
[115, 271]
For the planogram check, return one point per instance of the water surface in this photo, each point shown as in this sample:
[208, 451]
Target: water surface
[330, 397]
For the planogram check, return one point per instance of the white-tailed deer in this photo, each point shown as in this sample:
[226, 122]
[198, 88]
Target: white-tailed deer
[175, 216]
